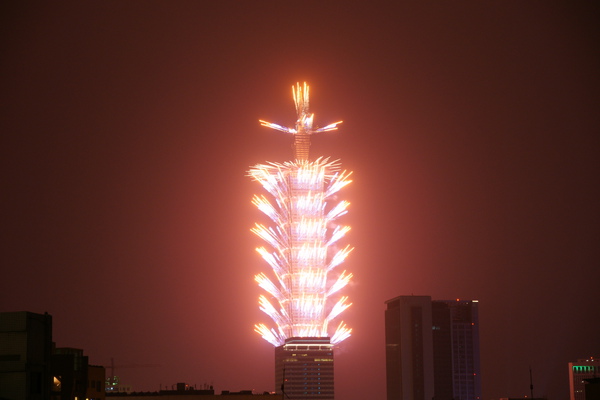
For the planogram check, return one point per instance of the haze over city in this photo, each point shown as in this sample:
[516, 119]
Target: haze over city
[128, 129]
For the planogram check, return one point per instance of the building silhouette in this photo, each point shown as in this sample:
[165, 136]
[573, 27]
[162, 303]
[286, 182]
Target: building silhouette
[96, 382]
[456, 356]
[184, 391]
[25, 356]
[409, 348]
[73, 377]
[582, 374]
[432, 349]
[592, 389]
[33, 368]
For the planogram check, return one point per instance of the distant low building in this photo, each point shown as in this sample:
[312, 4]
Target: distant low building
[523, 398]
[184, 391]
[113, 385]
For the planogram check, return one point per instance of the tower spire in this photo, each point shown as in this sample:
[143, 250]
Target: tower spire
[304, 124]
[302, 250]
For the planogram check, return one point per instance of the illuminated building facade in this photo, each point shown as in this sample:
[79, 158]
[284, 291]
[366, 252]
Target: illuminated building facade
[580, 373]
[432, 349]
[303, 255]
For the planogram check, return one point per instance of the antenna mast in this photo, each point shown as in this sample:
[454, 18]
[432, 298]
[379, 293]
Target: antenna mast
[531, 382]
[304, 123]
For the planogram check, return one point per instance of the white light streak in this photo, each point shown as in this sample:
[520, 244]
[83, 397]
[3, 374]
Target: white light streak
[339, 257]
[330, 127]
[342, 281]
[338, 210]
[341, 333]
[338, 233]
[338, 308]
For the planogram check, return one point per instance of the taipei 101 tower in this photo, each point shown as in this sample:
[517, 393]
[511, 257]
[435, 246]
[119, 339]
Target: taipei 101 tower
[302, 250]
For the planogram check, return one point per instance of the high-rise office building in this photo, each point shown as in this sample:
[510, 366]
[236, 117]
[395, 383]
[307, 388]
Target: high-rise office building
[304, 368]
[432, 349]
[303, 256]
[456, 367]
[579, 372]
[409, 349]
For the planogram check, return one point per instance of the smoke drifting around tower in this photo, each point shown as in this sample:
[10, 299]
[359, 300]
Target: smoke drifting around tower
[302, 251]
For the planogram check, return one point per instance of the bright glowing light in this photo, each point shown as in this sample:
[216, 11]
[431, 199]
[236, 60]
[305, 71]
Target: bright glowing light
[304, 123]
[302, 240]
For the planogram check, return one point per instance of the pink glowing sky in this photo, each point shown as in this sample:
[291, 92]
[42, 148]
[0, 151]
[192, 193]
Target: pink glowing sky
[472, 130]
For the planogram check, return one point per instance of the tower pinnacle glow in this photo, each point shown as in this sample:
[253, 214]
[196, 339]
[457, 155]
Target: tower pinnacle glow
[303, 246]
[304, 124]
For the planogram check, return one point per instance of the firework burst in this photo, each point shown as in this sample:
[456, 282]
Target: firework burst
[302, 243]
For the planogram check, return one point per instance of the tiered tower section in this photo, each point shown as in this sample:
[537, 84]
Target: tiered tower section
[303, 251]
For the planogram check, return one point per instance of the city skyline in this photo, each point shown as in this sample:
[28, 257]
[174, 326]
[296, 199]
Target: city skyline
[471, 129]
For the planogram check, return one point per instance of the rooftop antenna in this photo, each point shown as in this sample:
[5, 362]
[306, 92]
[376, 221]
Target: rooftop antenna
[530, 382]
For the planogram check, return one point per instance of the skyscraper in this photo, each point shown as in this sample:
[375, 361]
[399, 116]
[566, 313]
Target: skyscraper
[432, 349]
[455, 332]
[304, 368]
[409, 348]
[303, 256]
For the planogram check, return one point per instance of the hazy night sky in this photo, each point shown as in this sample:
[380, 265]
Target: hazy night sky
[472, 129]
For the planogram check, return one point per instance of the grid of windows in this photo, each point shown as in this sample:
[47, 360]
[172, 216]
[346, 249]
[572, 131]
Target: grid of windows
[304, 369]
[456, 350]
[432, 349]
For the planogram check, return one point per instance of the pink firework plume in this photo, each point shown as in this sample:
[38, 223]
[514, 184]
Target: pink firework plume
[303, 250]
